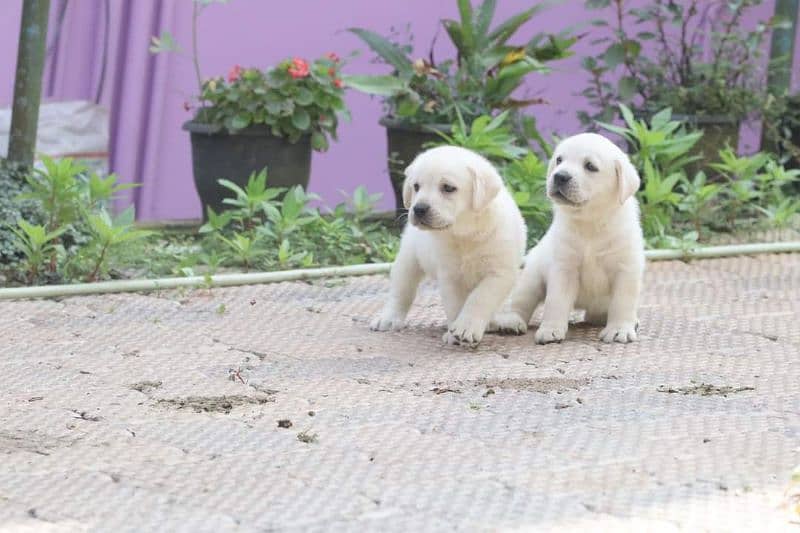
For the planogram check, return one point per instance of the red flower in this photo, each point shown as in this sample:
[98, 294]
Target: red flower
[298, 68]
[333, 57]
[338, 83]
[332, 72]
[235, 73]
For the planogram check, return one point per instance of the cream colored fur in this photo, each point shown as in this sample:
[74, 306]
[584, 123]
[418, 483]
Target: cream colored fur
[471, 240]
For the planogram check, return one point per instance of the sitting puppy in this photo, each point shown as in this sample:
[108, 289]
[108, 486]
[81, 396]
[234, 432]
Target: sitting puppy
[592, 256]
[466, 232]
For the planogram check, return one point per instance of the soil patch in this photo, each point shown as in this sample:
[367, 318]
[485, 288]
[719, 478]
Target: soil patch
[705, 389]
[145, 386]
[214, 404]
[541, 385]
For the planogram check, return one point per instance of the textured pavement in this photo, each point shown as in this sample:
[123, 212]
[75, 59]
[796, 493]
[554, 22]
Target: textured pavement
[161, 412]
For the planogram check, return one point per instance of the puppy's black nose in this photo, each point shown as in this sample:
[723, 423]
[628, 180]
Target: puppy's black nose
[421, 210]
[561, 178]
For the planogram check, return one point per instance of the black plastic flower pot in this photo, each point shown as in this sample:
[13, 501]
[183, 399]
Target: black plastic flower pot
[405, 141]
[217, 154]
[719, 131]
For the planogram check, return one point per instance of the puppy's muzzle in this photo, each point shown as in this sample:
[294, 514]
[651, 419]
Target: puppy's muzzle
[422, 214]
[561, 180]
[563, 189]
[421, 210]
[424, 217]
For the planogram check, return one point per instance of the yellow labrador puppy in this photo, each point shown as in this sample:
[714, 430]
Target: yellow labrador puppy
[466, 232]
[592, 256]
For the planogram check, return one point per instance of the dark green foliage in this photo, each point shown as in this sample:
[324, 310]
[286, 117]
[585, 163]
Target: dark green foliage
[12, 208]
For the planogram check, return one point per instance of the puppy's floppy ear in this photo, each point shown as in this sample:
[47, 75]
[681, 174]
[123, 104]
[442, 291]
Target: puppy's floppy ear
[627, 179]
[408, 191]
[486, 183]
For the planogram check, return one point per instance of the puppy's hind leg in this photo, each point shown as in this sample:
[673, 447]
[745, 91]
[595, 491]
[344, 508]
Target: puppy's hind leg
[405, 277]
[526, 296]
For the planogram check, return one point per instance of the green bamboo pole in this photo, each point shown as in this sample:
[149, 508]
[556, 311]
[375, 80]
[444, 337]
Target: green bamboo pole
[28, 81]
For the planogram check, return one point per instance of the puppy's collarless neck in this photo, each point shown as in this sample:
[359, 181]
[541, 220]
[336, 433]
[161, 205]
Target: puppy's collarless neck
[590, 222]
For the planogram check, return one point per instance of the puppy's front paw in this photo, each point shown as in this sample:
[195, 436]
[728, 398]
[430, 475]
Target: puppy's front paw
[550, 332]
[509, 322]
[623, 332]
[465, 332]
[388, 321]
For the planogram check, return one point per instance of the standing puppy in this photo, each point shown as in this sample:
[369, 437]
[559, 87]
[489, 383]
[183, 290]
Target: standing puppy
[592, 256]
[466, 232]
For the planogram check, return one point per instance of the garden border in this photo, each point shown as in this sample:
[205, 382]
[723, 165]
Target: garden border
[251, 278]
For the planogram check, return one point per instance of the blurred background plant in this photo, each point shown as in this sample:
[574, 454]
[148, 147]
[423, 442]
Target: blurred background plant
[261, 232]
[693, 57]
[71, 233]
[682, 205]
[487, 71]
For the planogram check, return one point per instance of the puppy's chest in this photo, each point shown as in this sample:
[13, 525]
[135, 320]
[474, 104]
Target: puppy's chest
[470, 267]
[594, 276]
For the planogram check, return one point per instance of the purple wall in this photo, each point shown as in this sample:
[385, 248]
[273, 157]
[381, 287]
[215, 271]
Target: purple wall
[147, 93]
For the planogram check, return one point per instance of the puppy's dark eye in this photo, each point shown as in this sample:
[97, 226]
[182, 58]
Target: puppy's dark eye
[559, 159]
[590, 167]
[416, 187]
[448, 188]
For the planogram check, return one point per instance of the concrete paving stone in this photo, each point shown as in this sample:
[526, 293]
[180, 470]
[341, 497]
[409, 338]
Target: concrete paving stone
[160, 412]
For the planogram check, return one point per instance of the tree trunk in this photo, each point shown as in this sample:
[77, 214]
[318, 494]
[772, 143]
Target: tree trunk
[28, 81]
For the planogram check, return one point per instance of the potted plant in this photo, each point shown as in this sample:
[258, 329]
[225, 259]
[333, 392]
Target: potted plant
[693, 57]
[422, 96]
[255, 118]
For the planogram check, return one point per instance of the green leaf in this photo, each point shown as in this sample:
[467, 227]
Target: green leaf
[456, 35]
[627, 115]
[163, 43]
[484, 19]
[304, 96]
[626, 87]
[614, 55]
[301, 119]
[467, 26]
[408, 105]
[504, 31]
[377, 85]
[240, 121]
[388, 51]
[660, 119]
[319, 142]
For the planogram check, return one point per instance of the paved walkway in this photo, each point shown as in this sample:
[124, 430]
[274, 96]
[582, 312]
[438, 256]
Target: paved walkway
[273, 407]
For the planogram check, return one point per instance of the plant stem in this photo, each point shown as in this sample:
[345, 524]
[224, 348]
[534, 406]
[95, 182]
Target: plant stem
[93, 275]
[195, 59]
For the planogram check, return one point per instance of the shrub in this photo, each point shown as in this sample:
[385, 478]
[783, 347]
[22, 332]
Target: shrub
[262, 232]
[13, 208]
[694, 57]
